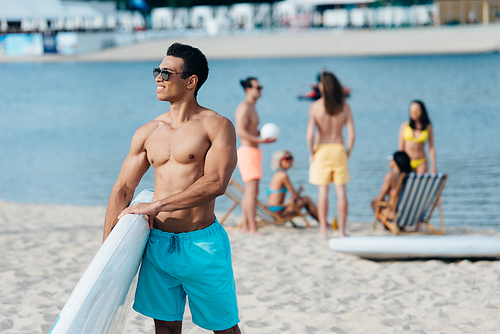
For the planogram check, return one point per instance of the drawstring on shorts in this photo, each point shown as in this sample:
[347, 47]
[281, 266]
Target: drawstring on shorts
[174, 244]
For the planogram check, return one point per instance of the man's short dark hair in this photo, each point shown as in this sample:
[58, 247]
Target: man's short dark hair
[247, 83]
[195, 62]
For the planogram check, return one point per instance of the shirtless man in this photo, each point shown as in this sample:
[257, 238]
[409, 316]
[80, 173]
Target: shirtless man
[249, 155]
[193, 152]
[327, 154]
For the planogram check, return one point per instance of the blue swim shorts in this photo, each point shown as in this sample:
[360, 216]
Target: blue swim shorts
[196, 264]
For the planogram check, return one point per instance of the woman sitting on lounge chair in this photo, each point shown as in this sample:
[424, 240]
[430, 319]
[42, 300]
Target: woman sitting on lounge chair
[280, 184]
[399, 163]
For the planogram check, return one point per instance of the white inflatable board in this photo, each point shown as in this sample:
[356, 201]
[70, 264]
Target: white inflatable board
[102, 298]
[408, 247]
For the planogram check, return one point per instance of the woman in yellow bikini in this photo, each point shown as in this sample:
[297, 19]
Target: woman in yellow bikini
[414, 134]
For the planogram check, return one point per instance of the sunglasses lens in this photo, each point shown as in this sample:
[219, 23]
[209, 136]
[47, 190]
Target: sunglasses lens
[164, 74]
[157, 72]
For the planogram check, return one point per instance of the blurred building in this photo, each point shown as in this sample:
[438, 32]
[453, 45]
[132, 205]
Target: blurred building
[467, 12]
[292, 14]
[34, 27]
[57, 15]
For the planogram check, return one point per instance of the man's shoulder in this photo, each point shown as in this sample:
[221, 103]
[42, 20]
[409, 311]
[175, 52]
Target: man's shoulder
[245, 107]
[149, 126]
[209, 115]
[212, 118]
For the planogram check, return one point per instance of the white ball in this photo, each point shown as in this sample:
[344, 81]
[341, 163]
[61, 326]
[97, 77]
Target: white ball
[269, 130]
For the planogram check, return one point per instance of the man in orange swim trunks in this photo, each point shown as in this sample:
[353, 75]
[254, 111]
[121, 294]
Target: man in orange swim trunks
[328, 155]
[249, 154]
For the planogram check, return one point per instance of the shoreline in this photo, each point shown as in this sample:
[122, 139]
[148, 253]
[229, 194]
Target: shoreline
[305, 43]
[233, 218]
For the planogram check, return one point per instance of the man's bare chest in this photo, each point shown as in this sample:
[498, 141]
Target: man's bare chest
[184, 145]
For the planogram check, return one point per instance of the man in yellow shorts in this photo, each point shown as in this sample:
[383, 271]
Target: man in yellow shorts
[249, 154]
[327, 154]
[329, 165]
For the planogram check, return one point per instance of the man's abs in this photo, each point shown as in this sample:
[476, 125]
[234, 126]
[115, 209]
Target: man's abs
[185, 220]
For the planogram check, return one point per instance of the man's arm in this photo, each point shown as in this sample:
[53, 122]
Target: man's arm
[351, 132]
[220, 162]
[133, 169]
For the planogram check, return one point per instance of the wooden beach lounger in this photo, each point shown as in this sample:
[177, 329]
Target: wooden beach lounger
[412, 203]
[263, 215]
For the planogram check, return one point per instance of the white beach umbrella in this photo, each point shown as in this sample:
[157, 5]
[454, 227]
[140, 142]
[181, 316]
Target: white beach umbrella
[181, 18]
[111, 22]
[138, 20]
[4, 26]
[399, 17]
[162, 18]
[42, 24]
[201, 15]
[57, 24]
[242, 14]
[98, 22]
[357, 17]
[338, 18]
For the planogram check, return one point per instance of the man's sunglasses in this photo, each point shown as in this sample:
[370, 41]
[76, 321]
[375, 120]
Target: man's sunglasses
[164, 73]
[258, 87]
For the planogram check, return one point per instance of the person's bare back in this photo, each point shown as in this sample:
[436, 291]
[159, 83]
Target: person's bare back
[329, 127]
[328, 156]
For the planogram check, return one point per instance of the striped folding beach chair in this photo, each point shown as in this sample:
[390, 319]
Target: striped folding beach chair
[413, 203]
[264, 217]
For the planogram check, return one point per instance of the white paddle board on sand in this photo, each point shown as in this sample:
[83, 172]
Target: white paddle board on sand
[101, 300]
[412, 247]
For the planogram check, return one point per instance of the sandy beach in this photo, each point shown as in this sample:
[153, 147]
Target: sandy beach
[307, 43]
[288, 280]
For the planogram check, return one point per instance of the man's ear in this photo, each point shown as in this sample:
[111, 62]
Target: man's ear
[192, 82]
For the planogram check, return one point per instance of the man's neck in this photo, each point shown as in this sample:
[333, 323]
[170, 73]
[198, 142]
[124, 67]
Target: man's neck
[182, 111]
[251, 100]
